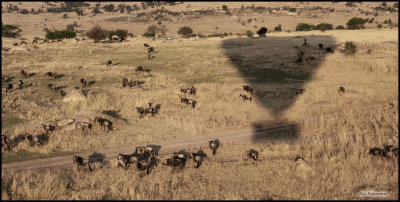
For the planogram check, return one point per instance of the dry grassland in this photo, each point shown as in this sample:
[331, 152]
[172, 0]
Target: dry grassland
[366, 115]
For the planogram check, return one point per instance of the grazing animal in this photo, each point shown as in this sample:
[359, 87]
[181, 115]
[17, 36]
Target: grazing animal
[132, 83]
[127, 160]
[253, 154]
[143, 165]
[300, 91]
[34, 41]
[213, 146]
[51, 74]
[51, 86]
[146, 45]
[321, 46]
[376, 151]
[84, 82]
[20, 84]
[109, 62]
[23, 72]
[23, 42]
[341, 90]
[185, 100]
[390, 151]
[79, 161]
[48, 127]
[140, 110]
[15, 44]
[176, 162]
[9, 87]
[124, 82]
[104, 123]
[84, 126]
[248, 89]
[329, 50]
[32, 140]
[196, 158]
[147, 151]
[193, 90]
[140, 69]
[185, 90]
[5, 142]
[194, 103]
[245, 97]
[63, 93]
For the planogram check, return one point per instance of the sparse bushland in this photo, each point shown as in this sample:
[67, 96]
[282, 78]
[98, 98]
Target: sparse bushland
[10, 31]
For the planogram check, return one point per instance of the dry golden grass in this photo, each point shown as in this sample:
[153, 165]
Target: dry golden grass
[365, 116]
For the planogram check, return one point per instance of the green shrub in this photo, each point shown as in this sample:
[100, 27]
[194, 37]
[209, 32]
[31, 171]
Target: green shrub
[350, 48]
[122, 34]
[149, 34]
[355, 23]
[10, 31]
[249, 33]
[24, 11]
[185, 31]
[292, 9]
[109, 8]
[225, 8]
[262, 31]
[324, 26]
[379, 26]
[97, 33]
[340, 27]
[303, 27]
[278, 28]
[62, 34]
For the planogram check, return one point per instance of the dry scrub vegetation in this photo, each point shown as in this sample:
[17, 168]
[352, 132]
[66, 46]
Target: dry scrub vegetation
[365, 116]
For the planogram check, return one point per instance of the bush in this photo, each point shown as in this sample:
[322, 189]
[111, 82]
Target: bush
[249, 33]
[278, 28]
[149, 34]
[97, 33]
[324, 26]
[122, 34]
[355, 23]
[65, 16]
[371, 20]
[379, 26]
[24, 11]
[185, 31]
[225, 8]
[62, 34]
[340, 27]
[261, 32]
[96, 11]
[70, 27]
[350, 48]
[79, 12]
[292, 10]
[109, 8]
[303, 27]
[10, 31]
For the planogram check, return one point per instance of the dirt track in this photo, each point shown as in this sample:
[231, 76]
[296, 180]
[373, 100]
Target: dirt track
[235, 137]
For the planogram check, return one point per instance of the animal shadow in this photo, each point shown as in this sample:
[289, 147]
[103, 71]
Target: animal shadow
[114, 114]
[96, 157]
[90, 83]
[31, 74]
[59, 76]
[155, 147]
[60, 87]
[9, 79]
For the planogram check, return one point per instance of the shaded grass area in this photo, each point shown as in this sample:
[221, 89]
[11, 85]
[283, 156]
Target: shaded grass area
[23, 155]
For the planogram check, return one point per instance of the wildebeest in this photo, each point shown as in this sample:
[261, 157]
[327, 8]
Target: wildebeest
[341, 90]
[48, 127]
[329, 50]
[194, 103]
[376, 151]
[124, 82]
[132, 83]
[84, 126]
[145, 151]
[51, 86]
[51, 74]
[193, 90]
[176, 162]
[196, 158]
[140, 69]
[143, 165]
[390, 151]
[34, 41]
[109, 62]
[23, 72]
[146, 45]
[15, 44]
[20, 82]
[104, 123]
[253, 154]
[32, 140]
[126, 160]
[245, 97]
[213, 144]
[9, 87]
[321, 46]
[185, 90]
[63, 93]
[248, 89]
[84, 82]
[6, 142]
[79, 161]
[23, 42]
[140, 110]
[185, 100]
[300, 91]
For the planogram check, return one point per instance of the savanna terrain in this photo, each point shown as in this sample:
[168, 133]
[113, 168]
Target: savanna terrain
[335, 144]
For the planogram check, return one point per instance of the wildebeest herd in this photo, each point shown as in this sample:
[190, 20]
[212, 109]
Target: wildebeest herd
[145, 158]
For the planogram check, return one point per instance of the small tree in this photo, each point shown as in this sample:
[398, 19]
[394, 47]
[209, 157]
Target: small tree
[225, 8]
[379, 26]
[261, 32]
[185, 31]
[278, 28]
[122, 34]
[350, 48]
[249, 33]
[340, 27]
[109, 8]
[97, 33]
[10, 31]
[355, 23]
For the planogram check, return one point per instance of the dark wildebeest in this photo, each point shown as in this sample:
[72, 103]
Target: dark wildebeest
[248, 89]
[79, 161]
[390, 151]
[109, 62]
[84, 126]
[140, 110]
[140, 69]
[23, 42]
[245, 97]
[300, 91]
[32, 140]
[9, 87]
[147, 151]
[321, 46]
[253, 154]
[176, 162]
[104, 123]
[124, 82]
[185, 100]
[146, 45]
[34, 41]
[196, 158]
[23, 72]
[194, 103]
[48, 127]
[329, 50]
[84, 82]
[185, 90]
[51, 74]
[63, 93]
[20, 84]
[126, 160]
[376, 151]
[143, 165]
[193, 90]
[6, 142]
[310, 58]
[213, 146]
[132, 83]
[15, 44]
[341, 90]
